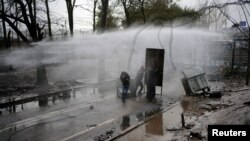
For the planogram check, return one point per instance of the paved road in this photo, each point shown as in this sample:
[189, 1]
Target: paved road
[82, 115]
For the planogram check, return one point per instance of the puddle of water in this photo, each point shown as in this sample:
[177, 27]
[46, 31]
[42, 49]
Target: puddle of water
[165, 126]
[156, 128]
[72, 97]
[155, 125]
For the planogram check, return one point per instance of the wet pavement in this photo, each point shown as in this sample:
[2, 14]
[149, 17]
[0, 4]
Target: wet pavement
[85, 114]
[157, 127]
[97, 114]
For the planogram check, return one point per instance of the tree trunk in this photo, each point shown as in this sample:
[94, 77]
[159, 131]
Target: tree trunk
[70, 9]
[34, 19]
[18, 39]
[71, 21]
[4, 27]
[143, 13]
[105, 4]
[9, 38]
[48, 17]
[32, 15]
[94, 15]
[127, 15]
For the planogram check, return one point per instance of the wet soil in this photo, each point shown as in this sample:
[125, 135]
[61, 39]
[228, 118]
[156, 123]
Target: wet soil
[189, 119]
[199, 112]
[16, 83]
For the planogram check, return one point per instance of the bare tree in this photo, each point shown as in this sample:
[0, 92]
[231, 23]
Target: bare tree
[26, 15]
[234, 22]
[105, 5]
[126, 7]
[141, 3]
[70, 8]
[213, 18]
[48, 17]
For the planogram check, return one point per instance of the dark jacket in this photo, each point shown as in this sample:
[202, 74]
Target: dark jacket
[124, 77]
[139, 75]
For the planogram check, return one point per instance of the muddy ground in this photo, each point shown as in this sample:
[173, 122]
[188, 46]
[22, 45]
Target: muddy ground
[19, 81]
[232, 108]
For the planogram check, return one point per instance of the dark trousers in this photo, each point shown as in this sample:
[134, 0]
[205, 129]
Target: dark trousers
[124, 92]
[139, 83]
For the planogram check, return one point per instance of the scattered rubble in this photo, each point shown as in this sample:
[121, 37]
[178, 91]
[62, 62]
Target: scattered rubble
[196, 135]
[173, 129]
[108, 134]
[214, 105]
[229, 109]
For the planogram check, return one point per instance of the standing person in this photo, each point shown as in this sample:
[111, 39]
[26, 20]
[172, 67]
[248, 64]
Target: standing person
[138, 80]
[124, 77]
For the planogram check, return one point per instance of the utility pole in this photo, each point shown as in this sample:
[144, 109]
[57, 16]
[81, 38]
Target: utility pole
[248, 58]
[233, 50]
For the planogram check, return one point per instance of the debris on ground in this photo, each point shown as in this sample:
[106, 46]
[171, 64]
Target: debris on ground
[227, 110]
[213, 105]
[91, 125]
[247, 103]
[196, 135]
[173, 129]
[108, 134]
[91, 107]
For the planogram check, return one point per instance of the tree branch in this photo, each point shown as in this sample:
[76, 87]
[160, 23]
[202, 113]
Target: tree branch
[14, 18]
[19, 33]
[84, 8]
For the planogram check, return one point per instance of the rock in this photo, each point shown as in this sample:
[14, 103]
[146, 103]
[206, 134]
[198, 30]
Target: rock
[109, 132]
[247, 103]
[104, 136]
[189, 126]
[196, 135]
[91, 107]
[92, 125]
[215, 95]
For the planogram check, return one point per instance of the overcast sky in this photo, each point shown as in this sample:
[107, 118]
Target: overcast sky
[234, 11]
[83, 18]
